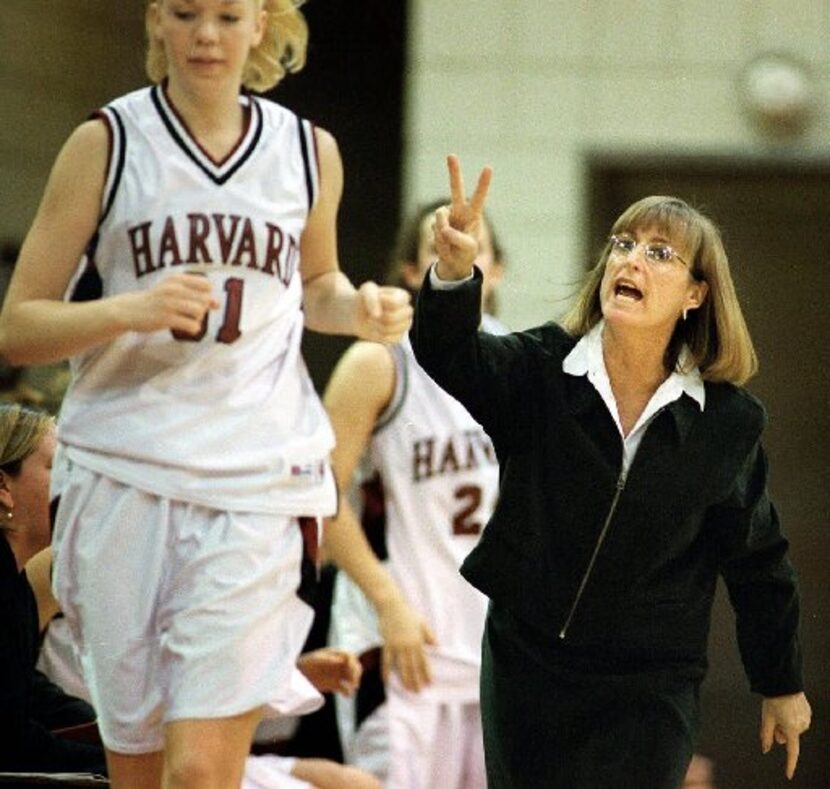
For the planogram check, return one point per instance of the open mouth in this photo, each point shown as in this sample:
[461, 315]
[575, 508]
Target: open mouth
[626, 290]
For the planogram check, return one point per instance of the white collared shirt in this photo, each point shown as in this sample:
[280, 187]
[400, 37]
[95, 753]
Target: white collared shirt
[587, 359]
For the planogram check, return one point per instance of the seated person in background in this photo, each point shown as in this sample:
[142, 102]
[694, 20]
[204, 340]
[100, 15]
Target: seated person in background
[32, 710]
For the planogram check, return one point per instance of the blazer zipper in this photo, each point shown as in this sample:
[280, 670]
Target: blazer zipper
[600, 540]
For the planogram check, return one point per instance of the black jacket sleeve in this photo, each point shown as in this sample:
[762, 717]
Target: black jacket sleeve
[485, 373]
[32, 748]
[25, 744]
[761, 582]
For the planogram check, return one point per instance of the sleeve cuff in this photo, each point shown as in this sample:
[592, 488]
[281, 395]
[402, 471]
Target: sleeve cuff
[445, 284]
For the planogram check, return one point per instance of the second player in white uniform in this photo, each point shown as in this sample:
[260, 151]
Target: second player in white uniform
[437, 475]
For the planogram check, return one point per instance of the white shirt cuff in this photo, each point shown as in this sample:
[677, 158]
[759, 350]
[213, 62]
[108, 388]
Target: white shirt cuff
[445, 284]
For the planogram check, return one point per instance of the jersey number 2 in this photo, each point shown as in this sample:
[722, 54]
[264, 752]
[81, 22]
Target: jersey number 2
[229, 330]
[465, 521]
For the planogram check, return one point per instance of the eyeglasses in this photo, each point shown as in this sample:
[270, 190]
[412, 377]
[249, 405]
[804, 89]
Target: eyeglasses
[656, 252]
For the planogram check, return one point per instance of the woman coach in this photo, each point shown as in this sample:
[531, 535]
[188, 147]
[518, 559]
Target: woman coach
[633, 474]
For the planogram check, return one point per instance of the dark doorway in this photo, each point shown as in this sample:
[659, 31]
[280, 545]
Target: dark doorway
[774, 219]
[352, 86]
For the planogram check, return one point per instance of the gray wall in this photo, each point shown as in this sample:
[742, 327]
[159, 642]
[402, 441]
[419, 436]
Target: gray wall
[529, 86]
[59, 61]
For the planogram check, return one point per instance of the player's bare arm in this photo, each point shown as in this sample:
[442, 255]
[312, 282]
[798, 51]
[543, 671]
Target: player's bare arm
[36, 325]
[360, 389]
[331, 303]
[331, 670]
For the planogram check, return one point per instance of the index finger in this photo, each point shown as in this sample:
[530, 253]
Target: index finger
[370, 294]
[480, 194]
[456, 180]
[793, 749]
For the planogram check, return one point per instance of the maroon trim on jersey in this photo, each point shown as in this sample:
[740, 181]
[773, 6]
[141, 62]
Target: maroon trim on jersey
[310, 561]
[100, 115]
[400, 390]
[246, 123]
[218, 172]
[116, 156]
[316, 151]
[309, 176]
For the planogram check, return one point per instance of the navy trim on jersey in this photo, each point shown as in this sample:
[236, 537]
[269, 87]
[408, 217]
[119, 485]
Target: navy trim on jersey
[309, 180]
[218, 172]
[88, 285]
[121, 142]
[401, 389]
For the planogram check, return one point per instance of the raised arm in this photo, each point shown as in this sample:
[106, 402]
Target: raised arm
[490, 376]
[36, 325]
[332, 305]
[359, 390]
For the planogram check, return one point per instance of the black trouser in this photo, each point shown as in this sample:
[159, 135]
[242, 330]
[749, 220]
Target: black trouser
[551, 722]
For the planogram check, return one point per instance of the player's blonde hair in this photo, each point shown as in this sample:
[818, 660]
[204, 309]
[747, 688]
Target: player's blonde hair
[282, 49]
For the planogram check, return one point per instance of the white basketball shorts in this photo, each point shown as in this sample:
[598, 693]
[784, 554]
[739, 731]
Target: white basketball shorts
[178, 610]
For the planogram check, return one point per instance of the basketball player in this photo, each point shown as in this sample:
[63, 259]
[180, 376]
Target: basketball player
[437, 474]
[192, 438]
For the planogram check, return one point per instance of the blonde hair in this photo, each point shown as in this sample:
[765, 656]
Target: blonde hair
[21, 430]
[282, 49]
[716, 333]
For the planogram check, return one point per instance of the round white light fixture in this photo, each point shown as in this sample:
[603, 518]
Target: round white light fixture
[777, 90]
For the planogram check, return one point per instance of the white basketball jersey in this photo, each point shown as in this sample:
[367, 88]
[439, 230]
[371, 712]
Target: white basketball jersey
[439, 477]
[228, 418]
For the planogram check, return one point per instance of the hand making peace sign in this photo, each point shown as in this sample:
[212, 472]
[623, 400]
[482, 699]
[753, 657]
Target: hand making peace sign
[456, 226]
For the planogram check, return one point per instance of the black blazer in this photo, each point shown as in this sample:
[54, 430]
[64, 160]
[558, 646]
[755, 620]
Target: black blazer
[600, 562]
[28, 701]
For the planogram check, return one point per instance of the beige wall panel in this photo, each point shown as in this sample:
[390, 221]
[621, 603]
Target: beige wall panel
[56, 66]
[531, 86]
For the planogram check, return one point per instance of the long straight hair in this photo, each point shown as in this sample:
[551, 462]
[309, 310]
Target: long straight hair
[716, 333]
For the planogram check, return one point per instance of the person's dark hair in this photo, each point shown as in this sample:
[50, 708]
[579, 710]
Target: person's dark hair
[405, 251]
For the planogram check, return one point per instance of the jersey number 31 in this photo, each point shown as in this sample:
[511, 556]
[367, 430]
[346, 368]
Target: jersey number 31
[229, 330]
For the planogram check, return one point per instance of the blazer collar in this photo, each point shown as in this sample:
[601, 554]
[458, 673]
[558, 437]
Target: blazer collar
[581, 398]
[582, 395]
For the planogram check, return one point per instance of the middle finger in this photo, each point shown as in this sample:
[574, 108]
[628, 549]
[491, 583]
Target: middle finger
[482, 187]
[456, 181]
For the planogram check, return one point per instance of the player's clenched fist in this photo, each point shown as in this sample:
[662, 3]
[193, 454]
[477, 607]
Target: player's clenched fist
[179, 302]
[331, 670]
[384, 313]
